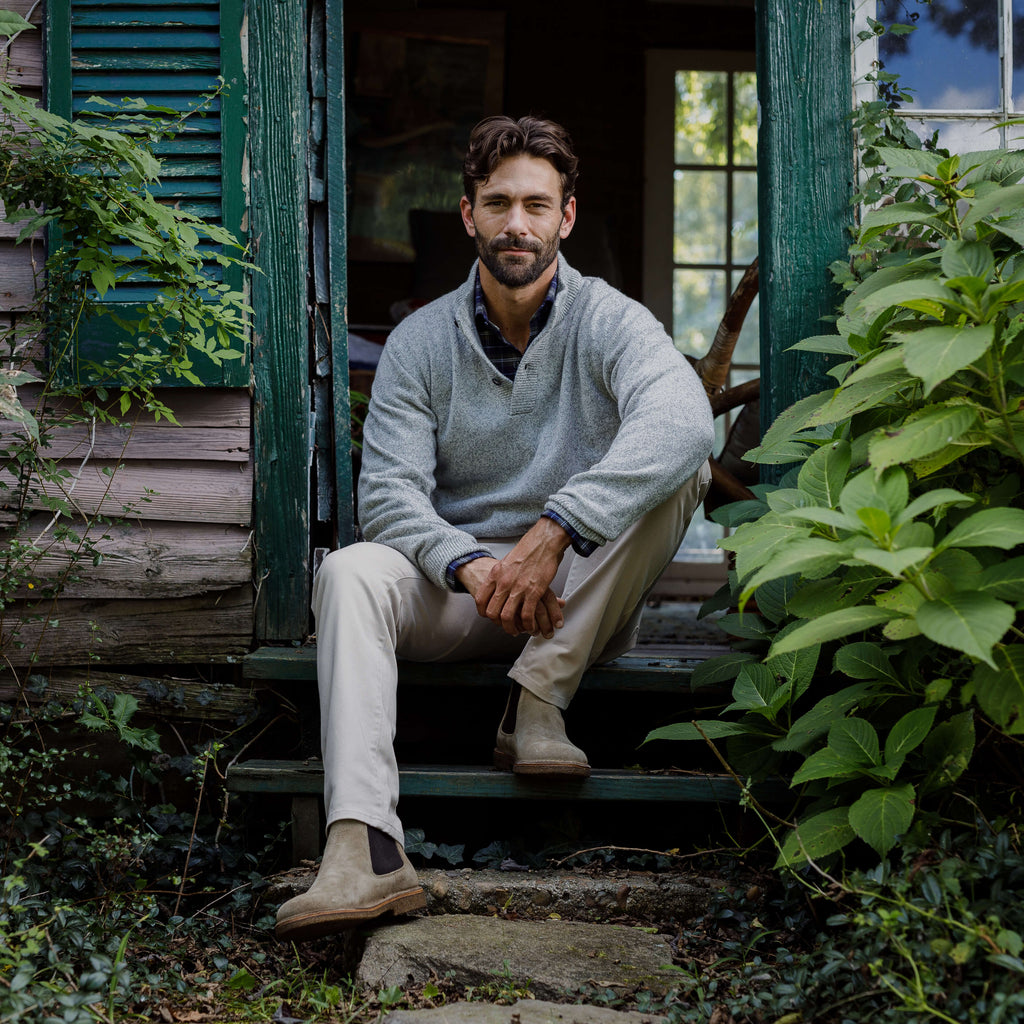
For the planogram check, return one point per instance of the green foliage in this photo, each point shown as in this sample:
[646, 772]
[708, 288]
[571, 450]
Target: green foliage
[878, 586]
[93, 876]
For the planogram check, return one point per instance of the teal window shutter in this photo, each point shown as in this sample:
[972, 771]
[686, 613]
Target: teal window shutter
[169, 54]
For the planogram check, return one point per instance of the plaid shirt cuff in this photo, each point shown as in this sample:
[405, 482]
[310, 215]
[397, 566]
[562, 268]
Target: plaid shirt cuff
[453, 568]
[580, 545]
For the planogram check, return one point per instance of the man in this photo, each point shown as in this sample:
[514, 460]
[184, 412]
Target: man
[534, 449]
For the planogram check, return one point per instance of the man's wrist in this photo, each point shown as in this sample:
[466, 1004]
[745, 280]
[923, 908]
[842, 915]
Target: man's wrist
[450, 576]
[580, 544]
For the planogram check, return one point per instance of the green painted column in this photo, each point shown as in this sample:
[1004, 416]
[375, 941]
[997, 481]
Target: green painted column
[337, 257]
[805, 169]
[278, 106]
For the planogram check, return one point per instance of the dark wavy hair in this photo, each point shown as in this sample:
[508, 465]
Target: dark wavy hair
[497, 138]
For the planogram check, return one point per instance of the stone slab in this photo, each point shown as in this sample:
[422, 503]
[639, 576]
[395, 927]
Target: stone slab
[551, 958]
[524, 1011]
[537, 895]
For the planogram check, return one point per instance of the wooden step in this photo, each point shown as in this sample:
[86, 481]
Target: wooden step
[652, 669]
[306, 778]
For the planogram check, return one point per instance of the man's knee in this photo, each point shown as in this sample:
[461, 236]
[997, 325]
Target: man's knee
[363, 566]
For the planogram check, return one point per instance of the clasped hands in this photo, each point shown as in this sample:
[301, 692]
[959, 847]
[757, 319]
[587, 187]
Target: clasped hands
[515, 592]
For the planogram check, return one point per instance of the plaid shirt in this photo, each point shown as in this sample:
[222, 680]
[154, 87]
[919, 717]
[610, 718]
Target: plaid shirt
[502, 353]
[506, 358]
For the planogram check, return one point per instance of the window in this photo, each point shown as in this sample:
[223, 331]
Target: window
[964, 62]
[700, 230]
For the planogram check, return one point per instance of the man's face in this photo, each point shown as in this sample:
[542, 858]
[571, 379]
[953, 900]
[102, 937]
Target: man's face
[517, 220]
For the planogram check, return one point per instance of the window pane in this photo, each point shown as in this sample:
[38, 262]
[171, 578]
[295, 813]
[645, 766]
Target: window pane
[744, 216]
[963, 136]
[702, 127]
[699, 217]
[744, 137]
[748, 346]
[698, 302]
[951, 59]
[699, 542]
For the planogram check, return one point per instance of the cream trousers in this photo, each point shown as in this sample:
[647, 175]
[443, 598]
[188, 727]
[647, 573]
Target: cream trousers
[373, 606]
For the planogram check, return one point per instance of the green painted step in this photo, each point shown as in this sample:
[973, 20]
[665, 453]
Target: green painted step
[654, 670]
[306, 777]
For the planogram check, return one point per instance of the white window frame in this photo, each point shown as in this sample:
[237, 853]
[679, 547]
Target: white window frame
[682, 578]
[865, 61]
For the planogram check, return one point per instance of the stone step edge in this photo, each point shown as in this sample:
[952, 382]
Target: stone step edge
[306, 777]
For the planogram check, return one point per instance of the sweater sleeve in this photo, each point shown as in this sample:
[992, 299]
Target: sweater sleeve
[666, 429]
[397, 482]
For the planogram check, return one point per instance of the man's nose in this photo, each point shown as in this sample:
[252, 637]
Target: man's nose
[515, 221]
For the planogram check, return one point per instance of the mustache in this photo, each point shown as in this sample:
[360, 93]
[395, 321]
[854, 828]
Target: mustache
[503, 244]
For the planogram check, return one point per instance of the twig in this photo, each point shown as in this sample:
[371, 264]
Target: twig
[739, 782]
[640, 849]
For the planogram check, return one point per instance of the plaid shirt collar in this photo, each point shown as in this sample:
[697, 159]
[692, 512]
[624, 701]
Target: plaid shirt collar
[500, 352]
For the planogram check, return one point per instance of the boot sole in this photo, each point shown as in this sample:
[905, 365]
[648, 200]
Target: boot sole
[567, 769]
[327, 922]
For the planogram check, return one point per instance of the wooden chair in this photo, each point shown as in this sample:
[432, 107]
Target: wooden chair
[731, 475]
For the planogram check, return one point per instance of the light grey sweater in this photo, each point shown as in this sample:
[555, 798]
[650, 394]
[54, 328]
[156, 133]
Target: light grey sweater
[605, 420]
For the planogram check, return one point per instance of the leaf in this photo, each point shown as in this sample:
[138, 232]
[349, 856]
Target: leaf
[967, 259]
[819, 719]
[817, 837]
[855, 740]
[923, 294]
[851, 399]
[1003, 201]
[999, 689]
[936, 353]
[713, 730]
[949, 748]
[789, 422]
[893, 562]
[1004, 580]
[830, 344]
[824, 764]
[754, 690]
[720, 669]
[11, 24]
[922, 436]
[738, 512]
[888, 492]
[880, 816]
[932, 499]
[863, 660]
[822, 476]
[876, 221]
[832, 626]
[908, 733]
[810, 556]
[990, 528]
[909, 163]
[967, 621]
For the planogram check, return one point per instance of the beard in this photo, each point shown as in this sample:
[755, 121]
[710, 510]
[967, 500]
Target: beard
[519, 270]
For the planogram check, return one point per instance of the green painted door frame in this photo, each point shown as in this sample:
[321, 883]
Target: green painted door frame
[805, 170]
[279, 140]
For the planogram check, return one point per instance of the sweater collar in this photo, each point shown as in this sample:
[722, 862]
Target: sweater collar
[569, 283]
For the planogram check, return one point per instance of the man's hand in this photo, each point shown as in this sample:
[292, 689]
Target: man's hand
[515, 592]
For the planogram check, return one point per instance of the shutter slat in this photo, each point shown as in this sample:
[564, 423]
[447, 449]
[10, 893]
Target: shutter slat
[168, 54]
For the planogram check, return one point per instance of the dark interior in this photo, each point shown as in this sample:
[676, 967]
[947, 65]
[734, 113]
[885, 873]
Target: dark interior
[414, 76]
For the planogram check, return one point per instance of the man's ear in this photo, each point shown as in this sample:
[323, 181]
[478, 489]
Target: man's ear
[466, 207]
[568, 218]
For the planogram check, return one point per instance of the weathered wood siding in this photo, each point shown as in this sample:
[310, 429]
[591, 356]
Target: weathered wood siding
[174, 578]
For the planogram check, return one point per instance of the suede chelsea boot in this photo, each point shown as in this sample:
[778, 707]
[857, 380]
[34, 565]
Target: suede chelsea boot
[364, 874]
[532, 741]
